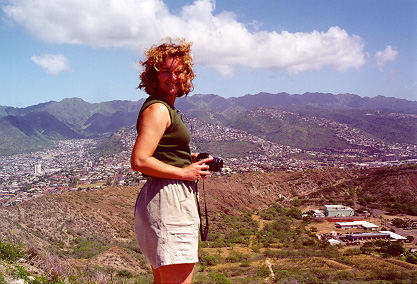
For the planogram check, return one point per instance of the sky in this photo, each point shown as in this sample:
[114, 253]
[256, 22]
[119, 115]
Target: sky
[90, 49]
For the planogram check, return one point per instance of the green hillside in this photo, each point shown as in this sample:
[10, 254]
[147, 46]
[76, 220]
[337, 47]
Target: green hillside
[14, 141]
[289, 129]
[388, 120]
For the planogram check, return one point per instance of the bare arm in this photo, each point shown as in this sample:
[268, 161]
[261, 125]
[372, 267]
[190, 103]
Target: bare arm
[152, 124]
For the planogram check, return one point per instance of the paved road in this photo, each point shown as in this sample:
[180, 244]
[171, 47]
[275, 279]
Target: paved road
[376, 216]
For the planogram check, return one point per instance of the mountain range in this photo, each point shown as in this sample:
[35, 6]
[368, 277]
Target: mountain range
[388, 119]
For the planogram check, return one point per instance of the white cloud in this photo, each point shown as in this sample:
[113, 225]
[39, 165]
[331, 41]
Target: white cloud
[388, 55]
[52, 63]
[220, 40]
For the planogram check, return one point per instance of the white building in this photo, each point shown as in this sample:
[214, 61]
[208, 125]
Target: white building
[357, 224]
[318, 214]
[394, 236]
[334, 242]
[38, 169]
[338, 211]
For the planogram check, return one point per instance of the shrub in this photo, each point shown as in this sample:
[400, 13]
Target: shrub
[246, 263]
[145, 279]
[235, 256]
[234, 237]
[321, 274]
[309, 242]
[199, 279]
[329, 252]
[219, 243]
[411, 259]
[367, 248]
[88, 248]
[2, 281]
[295, 213]
[272, 212]
[219, 278]
[125, 273]
[389, 274]
[344, 275]
[263, 271]
[296, 202]
[281, 274]
[20, 273]
[352, 251]
[310, 279]
[207, 260]
[313, 229]
[279, 254]
[10, 252]
[279, 230]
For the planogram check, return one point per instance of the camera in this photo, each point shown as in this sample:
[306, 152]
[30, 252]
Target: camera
[215, 165]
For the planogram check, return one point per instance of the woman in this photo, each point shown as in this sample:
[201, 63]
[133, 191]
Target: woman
[166, 217]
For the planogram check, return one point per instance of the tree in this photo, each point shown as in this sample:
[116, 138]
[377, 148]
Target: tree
[395, 249]
[295, 213]
[391, 248]
[399, 223]
[367, 248]
[313, 229]
[296, 202]
[350, 203]
[412, 259]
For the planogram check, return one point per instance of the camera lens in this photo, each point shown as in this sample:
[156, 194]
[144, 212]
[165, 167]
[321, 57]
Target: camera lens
[215, 165]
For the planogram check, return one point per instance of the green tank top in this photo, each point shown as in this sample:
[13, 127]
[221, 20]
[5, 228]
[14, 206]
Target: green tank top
[173, 148]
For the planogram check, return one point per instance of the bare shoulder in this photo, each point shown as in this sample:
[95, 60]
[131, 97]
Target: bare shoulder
[156, 109]
[156, 113]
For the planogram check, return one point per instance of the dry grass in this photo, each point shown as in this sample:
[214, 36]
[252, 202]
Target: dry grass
[104, 220]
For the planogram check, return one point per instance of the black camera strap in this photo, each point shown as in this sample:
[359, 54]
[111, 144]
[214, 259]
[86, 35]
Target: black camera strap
[203, 233]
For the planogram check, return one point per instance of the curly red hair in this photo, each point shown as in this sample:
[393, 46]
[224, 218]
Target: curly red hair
[156, 56]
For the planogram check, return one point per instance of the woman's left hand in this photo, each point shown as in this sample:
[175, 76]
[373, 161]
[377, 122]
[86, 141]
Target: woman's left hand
[198, 169]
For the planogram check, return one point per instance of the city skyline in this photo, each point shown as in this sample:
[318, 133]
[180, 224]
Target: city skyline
[53, 50]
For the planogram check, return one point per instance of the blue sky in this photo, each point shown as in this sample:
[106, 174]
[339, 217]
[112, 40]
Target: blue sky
[56, 49]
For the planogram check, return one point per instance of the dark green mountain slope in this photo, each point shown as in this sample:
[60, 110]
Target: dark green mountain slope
[74, 111]
[325, 101]
[389, 120]
[392, 127]
[14, 141]
[43, 123]
[32, 132]
[99, 124]
[288, 129]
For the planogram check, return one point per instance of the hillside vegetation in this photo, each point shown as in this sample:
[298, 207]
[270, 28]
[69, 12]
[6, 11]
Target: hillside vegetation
[257, 234]
[387, 119]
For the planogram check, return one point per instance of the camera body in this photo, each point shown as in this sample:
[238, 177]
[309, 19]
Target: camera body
[215, 165]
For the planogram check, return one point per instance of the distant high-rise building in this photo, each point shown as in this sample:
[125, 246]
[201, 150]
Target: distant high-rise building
[396, 152]
[38, 169]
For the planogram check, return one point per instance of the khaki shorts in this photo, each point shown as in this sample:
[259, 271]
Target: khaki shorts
[167, 222]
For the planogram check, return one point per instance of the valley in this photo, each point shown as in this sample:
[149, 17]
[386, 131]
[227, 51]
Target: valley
[67, 193]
